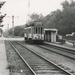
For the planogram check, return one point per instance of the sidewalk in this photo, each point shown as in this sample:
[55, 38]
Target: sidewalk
[3, 59]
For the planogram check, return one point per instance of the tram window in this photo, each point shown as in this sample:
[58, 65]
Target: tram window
[32, 30]
[36, 30]
[29, 30]
[41, 30]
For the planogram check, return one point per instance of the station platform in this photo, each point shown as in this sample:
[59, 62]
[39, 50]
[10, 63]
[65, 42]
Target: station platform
[3, 59]
[67, 46]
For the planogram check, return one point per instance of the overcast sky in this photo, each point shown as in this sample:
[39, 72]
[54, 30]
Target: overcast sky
[19, 8]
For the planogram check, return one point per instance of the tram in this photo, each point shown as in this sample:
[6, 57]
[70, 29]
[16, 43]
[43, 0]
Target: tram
[34, 32]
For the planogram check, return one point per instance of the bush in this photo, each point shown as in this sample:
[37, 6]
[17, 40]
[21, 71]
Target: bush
[22, 33]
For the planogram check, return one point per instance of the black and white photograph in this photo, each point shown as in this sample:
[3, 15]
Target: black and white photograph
[37, 37]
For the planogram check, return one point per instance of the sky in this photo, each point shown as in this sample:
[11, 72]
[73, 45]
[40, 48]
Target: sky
[19, 9]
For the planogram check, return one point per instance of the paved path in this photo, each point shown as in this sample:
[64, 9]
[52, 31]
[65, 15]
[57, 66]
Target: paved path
[3, 59]
[12, 39]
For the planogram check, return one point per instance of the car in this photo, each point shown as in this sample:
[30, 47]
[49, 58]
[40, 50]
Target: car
[73, 33]
[68, 34]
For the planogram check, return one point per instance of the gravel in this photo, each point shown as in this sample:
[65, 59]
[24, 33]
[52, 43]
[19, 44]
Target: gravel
[16, 66]
[56, 58]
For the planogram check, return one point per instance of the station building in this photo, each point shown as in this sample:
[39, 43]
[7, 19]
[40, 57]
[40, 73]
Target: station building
[50, 34]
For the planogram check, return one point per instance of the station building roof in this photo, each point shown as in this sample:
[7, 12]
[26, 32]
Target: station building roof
[50, 29]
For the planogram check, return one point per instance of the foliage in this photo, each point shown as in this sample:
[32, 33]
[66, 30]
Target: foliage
[35, 17]
[21, 33]
[2, 3]
[18, 30]
[1, 30]
[10, 31]
[2, 16]
[63, 20]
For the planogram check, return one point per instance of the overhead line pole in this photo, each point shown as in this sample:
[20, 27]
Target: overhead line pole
[12, 25]
[28, 7]
[28, 15]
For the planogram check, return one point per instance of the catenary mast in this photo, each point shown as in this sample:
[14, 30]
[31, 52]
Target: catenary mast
[28, 14]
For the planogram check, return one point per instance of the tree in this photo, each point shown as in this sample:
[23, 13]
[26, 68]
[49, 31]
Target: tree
[22, 33]
[1, 30]
[63, 20]
[35, 17]
[10, 31]
[18, 30]
[68, 14]
[2, 16]
[2, 3]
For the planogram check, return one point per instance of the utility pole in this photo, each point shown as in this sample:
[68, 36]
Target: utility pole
[13, 18]
[12, 25]
[28, 7]
[28, 14]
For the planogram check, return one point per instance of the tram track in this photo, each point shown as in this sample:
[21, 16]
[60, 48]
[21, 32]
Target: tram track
[42, 65]
[59, 50]
[28, 70]
[69, 50]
